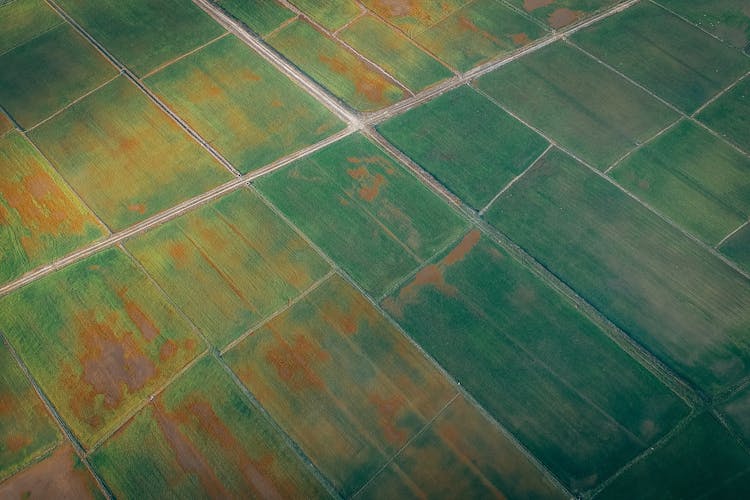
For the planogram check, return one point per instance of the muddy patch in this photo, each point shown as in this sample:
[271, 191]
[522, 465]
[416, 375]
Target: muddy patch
[531, 5]
[294, 361]
[369, 184]
[520, 38]
[563, 17]
[144, 324]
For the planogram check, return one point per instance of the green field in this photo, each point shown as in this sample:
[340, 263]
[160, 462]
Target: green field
[478, 32]
[143, 34]
[379, 42]
[246, 256]
[578, 102]
[455, 138]
[560, 13]
[664, 290]
[241, 105]
[24, 20]
[692, 177]
[261, 16]
[729, 115]
[727, 19]
[673, 59]
[41, 219]
[346, 76]
[364, 210]
[110, 335]
[737, 412]
[61, 475]
[49, 72]
[701, 461]
[331, 14]
[124, 156]
[737, 247]
[461, 455]
[341, 381]
[522, 351]
[202, 438]
[27, 430]
[414, 17]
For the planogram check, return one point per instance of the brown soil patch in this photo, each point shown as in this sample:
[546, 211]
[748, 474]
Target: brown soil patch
[144, 324]
[54, 477]
[137, 207]
[369, 184]
[563, 17]
[520, 38]
[293, 362]
[343, 321]
[397, 8]
[167, 350]
[178, 252]
[463, 248]
[16, 442]
[388, 410]
[530, 5]
[467, 24]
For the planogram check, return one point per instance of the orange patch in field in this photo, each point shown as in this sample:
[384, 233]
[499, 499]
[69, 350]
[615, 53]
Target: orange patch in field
[369, 184]
[345, 321]
[463, 248]
[167, 350]
[388, 409]
[137, 207]
[467, 24]
[531, 5]
[178, 252]
[368, 84]
[520, 38]
[16, 442]
[293, 362]
[144, 324]
[563, 17]
[128, 145]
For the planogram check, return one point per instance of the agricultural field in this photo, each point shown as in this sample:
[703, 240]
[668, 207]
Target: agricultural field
[664, 290]
[737, 412]
[27, 430]
[50, 72]
[249, 259]
[578, 102]
[414, 17]
[490, 323]
[5, 124]
[202, 437]
[737, 247]
[241, 104]
[364, 210]
[24, 20]
[720, 470]
[111, 335]
[40, 217]
[125, 157]
[726, 19]
[694, 178]
[668, 56]
[261, 16]
[331, 14]
[561, 13]
[729, 115]
[143, 34]
[454, 138]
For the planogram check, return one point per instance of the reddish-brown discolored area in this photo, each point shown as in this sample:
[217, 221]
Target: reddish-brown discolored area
[15, 442]
[366, 83]
[144, 324]
[520, 38]
[563, 17]
[388, 409]
[369, 184]
[294, 362]
[531, 5]
[467, 24]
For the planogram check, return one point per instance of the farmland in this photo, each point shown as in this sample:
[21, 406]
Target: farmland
[737, 411]
[205, 439]
[452, 137]
[599, 116]
[23, 20]
[5, 124]
[141, 164]
[252, 265]
[261, 16]
[363, 199]
[692, 177]
[729, 115]
[332, 14]
[737, 247]
[727, 19]
[219, 91]
[41, 218]
[560, 13]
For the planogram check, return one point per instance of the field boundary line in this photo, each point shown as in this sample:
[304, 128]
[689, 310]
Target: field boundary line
[67, 433]
[421, 431]
[18, 45]
[660, 99]
[730, 430]
[515, 179]
[74, 102]
[167, 214]
[721, 93]
[39, 458]
[274, 31]
[635, 198]
[732, 233]
[183, 56]
[691, 23]
[632, 151]
[363, 11]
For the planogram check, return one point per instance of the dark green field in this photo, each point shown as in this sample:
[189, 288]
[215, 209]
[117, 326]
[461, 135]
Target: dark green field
[737, 247]
[729, 115]
[261, 16]
[727, 19]
[23, 20]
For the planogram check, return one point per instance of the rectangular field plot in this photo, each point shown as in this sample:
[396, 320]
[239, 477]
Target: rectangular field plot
[667, 292]
[5, 124]
[478, 32]
[729, 115]
[331, 14]
[737, 247]
[523, 351]
[27, 430]
[461, 455]
[351, 79]
[372, 217]
[560, 13]
[48, 73]
[668, 56]
[466, 142]
[394, 52]
[124, 156]
[61, 475]
[229, 264]
[701, 461]
[23, 20]
[578, 102]
[200, 438]
[341, 381]
[727, 19]
[694, 178]
[109, 333]
[414, 17]
[40, 218]
[251, 113]
[737, 413]
[143, 34]
[261, 16]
